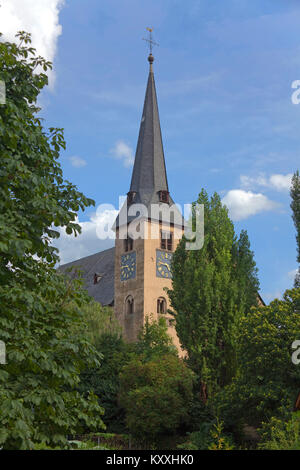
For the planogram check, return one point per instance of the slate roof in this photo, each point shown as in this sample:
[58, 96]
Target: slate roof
[102, 264]
[149, 174]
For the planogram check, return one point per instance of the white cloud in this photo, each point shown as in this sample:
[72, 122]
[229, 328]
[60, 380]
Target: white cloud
[270, 296]
[38, 17]
[292, 274]
[77, 162]
[277, 182]
[248, 182]
[123, 152]
[281, 182]
[89, 241]
[243, 204]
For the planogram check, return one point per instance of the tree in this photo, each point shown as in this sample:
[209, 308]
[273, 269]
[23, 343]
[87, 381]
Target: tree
[104, 381]
[246, 272]
[280, 434]
[211, 288]
[210, 436]
[156, 396]
[100, 323]
[155, 386]
[104, 331]
[40, 319]
[295, 206]
[267, 382]
[154, 340]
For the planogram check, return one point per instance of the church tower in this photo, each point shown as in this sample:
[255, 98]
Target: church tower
[143, 258]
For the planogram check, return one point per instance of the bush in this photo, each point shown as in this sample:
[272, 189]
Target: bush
[209, 437]
[281, 435]
[156, 396]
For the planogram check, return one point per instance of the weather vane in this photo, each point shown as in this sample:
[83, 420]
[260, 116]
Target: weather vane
[150, 40]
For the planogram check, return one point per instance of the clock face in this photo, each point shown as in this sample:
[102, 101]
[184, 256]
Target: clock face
[128, 266]
[163, 264]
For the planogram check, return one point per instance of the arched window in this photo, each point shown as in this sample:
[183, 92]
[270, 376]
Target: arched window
[166, 240]
[161, 305]
[129, 304]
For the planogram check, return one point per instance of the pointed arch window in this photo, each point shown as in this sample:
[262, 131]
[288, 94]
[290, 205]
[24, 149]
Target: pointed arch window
[161, 305]
[129, 305]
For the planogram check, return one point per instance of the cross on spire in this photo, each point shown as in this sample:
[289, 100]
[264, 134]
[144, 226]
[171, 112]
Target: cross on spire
[150, 40]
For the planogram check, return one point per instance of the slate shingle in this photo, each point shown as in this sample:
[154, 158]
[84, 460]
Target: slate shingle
[101, 263]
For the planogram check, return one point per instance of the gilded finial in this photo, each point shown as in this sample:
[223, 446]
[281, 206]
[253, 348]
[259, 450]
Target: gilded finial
[151, 44]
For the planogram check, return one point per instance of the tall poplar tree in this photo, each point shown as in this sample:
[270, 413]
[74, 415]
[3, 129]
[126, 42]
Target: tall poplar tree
[210, 291]
[295, 206]
[246, 272]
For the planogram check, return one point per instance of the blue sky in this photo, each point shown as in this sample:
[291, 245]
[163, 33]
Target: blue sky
[223, 74]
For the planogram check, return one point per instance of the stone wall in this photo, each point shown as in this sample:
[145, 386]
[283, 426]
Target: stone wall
[146, 288]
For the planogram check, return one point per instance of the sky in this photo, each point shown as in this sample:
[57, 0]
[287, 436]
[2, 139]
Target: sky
[224, 72]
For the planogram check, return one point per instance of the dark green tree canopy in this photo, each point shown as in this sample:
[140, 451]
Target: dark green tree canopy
[33, 194]
[295, 206]
[267, 381]
[211, 288]
[155, 395]
[40, 319]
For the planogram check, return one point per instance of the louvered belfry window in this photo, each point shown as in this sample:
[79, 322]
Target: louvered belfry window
[128, 244]
[166, 240]
[164, 196]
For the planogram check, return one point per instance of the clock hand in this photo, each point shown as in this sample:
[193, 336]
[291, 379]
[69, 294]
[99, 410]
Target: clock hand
[164, 264]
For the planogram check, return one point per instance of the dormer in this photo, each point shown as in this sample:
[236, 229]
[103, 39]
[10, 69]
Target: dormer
[164, 196]
[131, 197]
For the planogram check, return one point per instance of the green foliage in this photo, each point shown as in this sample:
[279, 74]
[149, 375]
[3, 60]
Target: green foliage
[38, 397]
[74, 445]
[281, 434]
[104, 381]
[156, 396]
[295, 206]
[267, 380]
[103, 330]
[86, 445]
[34, 197]
[220, 441]
[211, 288]
[40, 319]
[100, 323]
[245, 272]
[210, 436]
[154, 340]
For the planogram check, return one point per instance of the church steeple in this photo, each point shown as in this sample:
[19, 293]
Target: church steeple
[149, 175]
[146, 239]
[149, 184]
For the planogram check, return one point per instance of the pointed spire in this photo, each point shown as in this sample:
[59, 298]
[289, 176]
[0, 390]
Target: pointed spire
[149, 183]
[149, 171]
